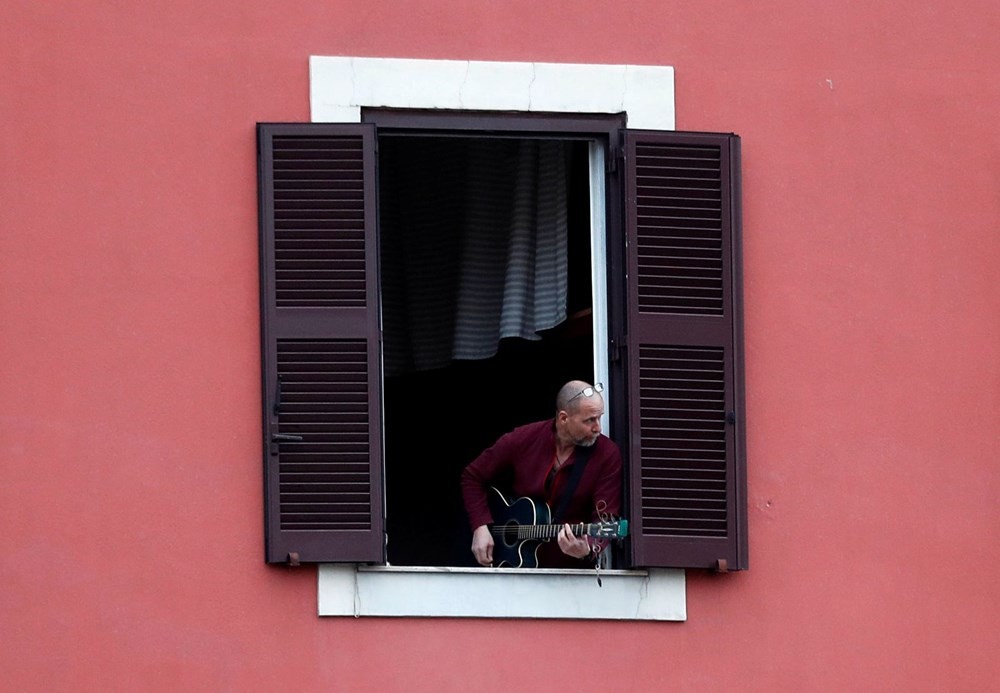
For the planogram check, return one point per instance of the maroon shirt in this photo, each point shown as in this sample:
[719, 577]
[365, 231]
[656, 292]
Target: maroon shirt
[526, 456]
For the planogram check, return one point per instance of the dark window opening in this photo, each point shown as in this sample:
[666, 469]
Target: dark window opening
[440, 410]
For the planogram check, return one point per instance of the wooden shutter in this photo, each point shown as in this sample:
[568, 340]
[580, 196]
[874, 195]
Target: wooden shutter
[319, 338]
[687, 469]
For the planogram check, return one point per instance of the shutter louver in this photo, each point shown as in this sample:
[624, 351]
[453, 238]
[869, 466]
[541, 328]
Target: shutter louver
[682, 426]
[320, 341]
[687, 460]
[325, 480]
[319, 221]
[680, 221]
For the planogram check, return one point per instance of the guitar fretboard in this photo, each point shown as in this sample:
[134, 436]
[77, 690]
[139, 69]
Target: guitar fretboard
[517, 532]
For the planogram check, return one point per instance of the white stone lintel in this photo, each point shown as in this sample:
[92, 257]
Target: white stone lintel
[341, 86]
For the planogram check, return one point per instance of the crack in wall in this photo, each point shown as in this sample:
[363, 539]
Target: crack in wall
[531, 84]
[465, 81]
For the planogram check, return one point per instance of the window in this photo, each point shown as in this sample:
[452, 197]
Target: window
[485, 282]
[340, 87]
[673, 339]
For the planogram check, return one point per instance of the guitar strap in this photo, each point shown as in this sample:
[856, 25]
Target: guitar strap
[582, 456]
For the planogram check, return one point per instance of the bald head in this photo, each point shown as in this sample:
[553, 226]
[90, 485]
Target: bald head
[579, 408]
[571, 395]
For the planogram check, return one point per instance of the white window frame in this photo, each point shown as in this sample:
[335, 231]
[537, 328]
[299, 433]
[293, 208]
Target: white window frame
[339, 88]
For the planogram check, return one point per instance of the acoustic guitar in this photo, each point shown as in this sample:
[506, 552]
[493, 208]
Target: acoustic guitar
[520, 527]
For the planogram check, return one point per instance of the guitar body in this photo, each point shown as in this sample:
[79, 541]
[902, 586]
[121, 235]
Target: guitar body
[508, 517]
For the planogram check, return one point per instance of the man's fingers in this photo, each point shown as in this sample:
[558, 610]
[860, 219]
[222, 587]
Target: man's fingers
[567, 533]
[571, 545]
[482, 546]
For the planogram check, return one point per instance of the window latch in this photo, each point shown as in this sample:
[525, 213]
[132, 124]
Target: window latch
[278, 438]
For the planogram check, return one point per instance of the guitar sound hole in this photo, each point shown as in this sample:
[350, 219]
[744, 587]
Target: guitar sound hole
[509, 534]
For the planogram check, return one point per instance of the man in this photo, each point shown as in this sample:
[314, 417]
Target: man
[539, 459]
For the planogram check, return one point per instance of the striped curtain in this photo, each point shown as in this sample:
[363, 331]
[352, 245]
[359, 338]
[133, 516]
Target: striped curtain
[473, 242]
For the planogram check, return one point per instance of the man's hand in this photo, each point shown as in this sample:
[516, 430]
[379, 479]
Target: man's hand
[482, 545]
[577, 547]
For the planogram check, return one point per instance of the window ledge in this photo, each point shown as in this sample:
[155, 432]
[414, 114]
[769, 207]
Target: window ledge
[653, 595]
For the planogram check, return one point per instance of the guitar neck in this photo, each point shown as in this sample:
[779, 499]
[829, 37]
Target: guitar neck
[541, 531]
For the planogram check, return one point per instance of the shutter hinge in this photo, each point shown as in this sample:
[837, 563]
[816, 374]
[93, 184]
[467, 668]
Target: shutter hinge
[277, 398]
[618, 347]
[615, 159]
[293, 559]
[618, 151]
[722, 565]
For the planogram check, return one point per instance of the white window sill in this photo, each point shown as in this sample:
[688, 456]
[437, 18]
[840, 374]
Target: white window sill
[653, 595]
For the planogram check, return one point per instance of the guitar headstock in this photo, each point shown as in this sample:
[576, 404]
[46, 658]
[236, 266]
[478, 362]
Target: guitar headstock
[618, 529]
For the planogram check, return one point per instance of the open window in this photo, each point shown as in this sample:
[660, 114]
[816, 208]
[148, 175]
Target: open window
[383, 374]
[487, 308]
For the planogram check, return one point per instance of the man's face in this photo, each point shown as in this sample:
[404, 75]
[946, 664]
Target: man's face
[583, 425]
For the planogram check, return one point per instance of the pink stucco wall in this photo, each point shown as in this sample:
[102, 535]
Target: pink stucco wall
[130, 489]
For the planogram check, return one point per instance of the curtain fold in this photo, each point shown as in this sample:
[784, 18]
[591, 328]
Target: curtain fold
[474, 246]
